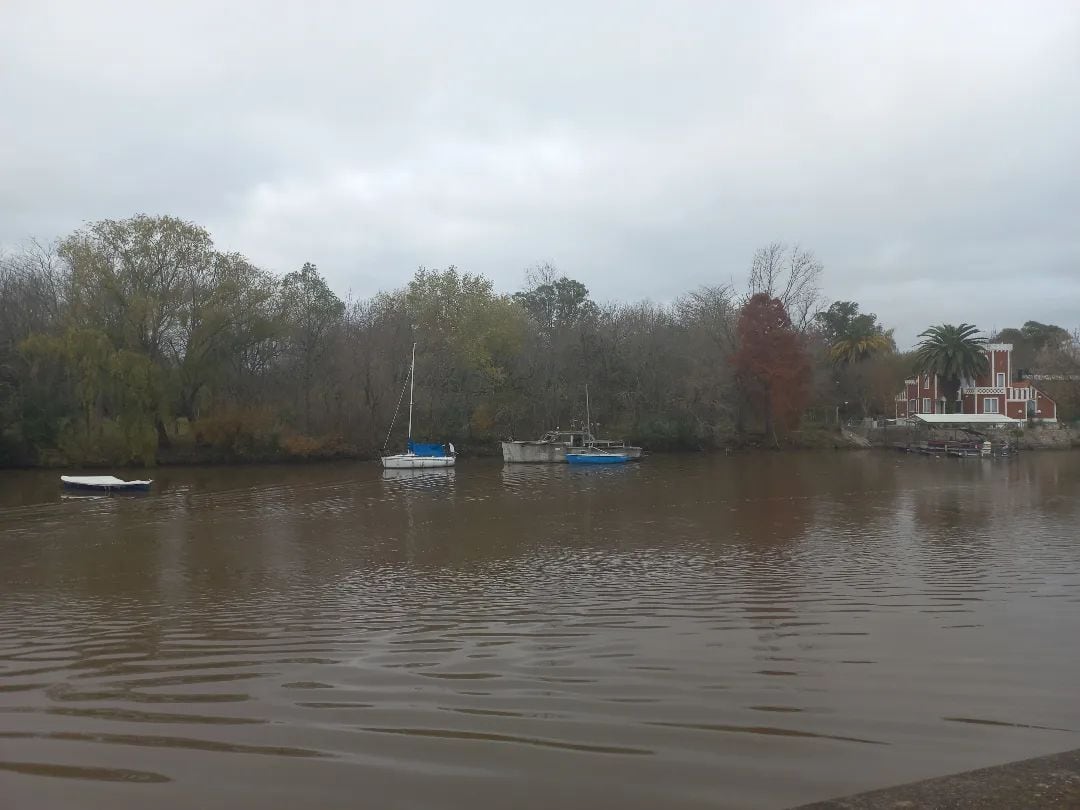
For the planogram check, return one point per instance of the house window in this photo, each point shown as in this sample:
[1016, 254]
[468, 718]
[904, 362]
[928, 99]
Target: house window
[926, 405]
[990, 405]
[913, 406]
[1000, 380]
[925, 380]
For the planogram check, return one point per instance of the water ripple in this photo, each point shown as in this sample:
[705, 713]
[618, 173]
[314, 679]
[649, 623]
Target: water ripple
[501, 635]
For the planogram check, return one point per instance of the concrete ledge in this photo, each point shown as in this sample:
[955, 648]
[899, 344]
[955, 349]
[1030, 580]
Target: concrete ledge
[1051, 782]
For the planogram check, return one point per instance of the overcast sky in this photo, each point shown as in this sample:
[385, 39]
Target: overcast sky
[928, 154]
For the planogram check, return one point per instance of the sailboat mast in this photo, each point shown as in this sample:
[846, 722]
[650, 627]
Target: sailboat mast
[588, 416]
[412, 382]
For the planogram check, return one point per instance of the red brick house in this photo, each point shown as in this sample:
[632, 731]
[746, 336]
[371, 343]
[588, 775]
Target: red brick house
[996, 391]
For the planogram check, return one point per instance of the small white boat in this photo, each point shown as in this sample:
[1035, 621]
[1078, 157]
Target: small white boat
[104, 483]
[418, 455]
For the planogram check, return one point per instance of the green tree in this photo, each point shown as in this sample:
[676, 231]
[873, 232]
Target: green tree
[135, 278]
[954, 353]
[228, 327]
[469, 335]
[551, 376]
[858, 344]
[1058, 365]
[852, 336]
[836, 321]
[117, 391]
[311, 311]
[140, 281]
[554, 303]
[1030, 340]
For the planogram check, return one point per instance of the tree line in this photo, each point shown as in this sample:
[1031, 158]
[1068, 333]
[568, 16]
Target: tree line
[135, 341]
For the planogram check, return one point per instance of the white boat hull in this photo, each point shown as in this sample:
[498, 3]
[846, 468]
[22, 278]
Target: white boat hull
[534, 453]
[104, 483]
[541, 452]
[408, 461]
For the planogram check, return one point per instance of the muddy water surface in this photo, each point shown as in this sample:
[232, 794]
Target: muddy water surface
[686, 632]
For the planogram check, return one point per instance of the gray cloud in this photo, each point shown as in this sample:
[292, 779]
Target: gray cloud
[926, 153]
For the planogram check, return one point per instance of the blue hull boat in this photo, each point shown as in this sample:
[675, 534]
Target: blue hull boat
[597, 458]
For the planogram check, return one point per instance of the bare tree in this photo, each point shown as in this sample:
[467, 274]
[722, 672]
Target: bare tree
[790, 274]
[710, 308]
[35, 283]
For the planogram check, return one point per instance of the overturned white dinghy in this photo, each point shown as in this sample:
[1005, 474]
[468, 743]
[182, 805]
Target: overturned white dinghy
[104, 483]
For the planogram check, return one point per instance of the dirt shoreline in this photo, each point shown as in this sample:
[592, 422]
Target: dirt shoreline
[1049, 782]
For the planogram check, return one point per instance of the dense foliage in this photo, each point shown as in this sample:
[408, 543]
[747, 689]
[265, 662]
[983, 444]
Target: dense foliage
[771, 362]
[138, 341]
[1051, 355]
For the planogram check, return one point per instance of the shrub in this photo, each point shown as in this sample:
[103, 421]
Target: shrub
[239, 433]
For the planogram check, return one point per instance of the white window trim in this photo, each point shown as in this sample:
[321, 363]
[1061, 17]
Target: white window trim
[1000, 379]
[925, 405]
[988, 402]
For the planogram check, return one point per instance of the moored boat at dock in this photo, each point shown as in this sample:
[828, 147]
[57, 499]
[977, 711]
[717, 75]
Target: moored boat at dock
[417, 455]
[553, 446]
[593, 456]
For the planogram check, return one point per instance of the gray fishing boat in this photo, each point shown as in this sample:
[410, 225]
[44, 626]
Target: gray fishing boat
[554, 446]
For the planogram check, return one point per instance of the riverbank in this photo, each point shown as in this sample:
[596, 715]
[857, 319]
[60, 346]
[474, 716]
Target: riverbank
[299, 449]
[240, 447]
[1031, 437]
[1050, 783]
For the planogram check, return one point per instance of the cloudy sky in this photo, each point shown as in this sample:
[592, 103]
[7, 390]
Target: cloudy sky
[929, 154]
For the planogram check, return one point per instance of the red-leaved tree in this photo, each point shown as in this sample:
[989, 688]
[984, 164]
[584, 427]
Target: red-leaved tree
[772, 365]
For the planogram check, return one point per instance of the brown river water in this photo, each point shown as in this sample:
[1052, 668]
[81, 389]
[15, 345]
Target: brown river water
[687, 632]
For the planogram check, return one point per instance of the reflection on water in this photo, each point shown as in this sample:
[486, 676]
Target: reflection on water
[685, 632]
[432, 477]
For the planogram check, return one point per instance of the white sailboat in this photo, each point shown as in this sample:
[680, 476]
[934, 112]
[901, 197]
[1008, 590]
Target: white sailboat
[418, 455]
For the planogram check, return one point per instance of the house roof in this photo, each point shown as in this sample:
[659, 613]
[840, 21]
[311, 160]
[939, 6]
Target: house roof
[965, 419]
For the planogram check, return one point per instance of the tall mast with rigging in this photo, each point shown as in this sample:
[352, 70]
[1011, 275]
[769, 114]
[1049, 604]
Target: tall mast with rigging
[588, 416]
[412, 382]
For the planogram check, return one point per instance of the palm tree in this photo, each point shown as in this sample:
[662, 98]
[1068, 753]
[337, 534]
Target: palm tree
[953, 353]
[859, 343]
[852, 335]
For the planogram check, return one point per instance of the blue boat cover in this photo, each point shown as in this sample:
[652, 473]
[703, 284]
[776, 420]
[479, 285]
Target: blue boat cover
[427, 449]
